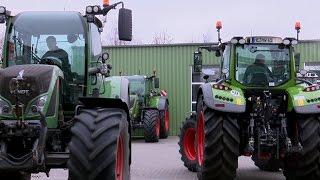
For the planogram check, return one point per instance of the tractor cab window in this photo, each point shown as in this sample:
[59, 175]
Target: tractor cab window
[264, 65]
[51, 38]
[226, 59]
[137, 86]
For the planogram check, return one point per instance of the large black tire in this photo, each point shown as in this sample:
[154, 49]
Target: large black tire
[99, 147]
[164, 122]
[187, 143]
[15, 176]
[271, 165]
[307, 164]
[151, 126]
[217, 144]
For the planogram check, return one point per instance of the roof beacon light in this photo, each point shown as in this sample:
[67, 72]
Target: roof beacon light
[106, 3]
[219, 25]
[297, 25]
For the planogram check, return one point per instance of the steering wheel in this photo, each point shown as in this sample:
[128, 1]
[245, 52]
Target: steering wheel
[51, 60]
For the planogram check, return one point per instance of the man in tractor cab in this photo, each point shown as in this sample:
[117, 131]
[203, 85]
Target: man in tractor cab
[55, 51]
[257, 73]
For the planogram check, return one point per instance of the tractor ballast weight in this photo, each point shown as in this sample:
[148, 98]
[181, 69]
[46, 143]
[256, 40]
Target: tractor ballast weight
[258, 107]
[58, 102]
[149, 108]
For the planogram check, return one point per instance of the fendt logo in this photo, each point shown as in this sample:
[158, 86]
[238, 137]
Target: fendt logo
[17, 83]
[20, 75]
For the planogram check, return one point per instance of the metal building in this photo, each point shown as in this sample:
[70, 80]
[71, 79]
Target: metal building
[173, 64]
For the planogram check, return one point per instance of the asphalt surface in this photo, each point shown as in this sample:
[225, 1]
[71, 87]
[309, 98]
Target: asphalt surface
[161, 161]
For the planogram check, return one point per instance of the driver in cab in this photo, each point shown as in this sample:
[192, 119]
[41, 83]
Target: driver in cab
[55, 51]
[258, 72]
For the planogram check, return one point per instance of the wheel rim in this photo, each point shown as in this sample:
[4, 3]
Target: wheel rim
[120, 159]
[158, 127]
[189, 143]
[200, 139]
[166, 120]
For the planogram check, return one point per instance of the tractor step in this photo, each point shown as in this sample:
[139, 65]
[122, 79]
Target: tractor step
[57, 160]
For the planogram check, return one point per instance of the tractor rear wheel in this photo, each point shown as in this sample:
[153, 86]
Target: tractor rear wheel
[186, 143]
[99, 147]
[271, 164]
[15, 175]
[151, 125]
[307, 164]
[165, 122]
[217, 141]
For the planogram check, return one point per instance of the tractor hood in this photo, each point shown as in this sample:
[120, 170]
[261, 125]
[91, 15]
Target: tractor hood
[34, 80]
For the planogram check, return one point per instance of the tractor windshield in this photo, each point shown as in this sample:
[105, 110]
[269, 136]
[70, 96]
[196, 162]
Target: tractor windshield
[262, 65]
[137, 86]
[36, 36]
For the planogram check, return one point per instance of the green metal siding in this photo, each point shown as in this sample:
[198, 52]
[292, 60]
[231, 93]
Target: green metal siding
[172, 63]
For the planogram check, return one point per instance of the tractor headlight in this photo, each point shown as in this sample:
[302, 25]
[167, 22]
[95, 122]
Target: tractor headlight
[242, 41]
[294, 42]
[38, 105]
[96, 9]
[234, 41]
[286, 42]
[5, 108]
[89, 9]
[2, 10]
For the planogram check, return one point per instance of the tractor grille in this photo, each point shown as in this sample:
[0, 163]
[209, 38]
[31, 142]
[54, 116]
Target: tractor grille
[36, 79]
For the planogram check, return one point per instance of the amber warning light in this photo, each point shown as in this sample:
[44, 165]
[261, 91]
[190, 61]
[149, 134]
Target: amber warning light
[219, 25]
[105, 3]
[297, 26]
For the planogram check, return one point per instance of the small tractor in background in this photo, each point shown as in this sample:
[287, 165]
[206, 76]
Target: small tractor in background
[149, 107]
[259, 108]
[59, 107]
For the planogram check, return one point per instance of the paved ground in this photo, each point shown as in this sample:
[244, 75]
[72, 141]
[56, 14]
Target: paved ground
[161, 161]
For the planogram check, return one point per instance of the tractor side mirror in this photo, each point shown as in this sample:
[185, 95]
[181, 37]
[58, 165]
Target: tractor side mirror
[297, 61]
[125, 24]
[156, 83]
[197, 61]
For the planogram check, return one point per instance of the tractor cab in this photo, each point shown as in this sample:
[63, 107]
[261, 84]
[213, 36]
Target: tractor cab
[259, 62]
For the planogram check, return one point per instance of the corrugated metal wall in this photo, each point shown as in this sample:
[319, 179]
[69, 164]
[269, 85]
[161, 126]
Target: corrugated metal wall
[172, 63]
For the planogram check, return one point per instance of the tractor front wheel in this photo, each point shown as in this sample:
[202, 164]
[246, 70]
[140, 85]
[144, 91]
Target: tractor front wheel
[307, 164]
[187, 143]
[99, 147]
[151, 126]
[217, 140]
[165, 122]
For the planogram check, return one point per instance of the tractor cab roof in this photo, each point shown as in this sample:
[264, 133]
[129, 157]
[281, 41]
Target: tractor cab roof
[42, 22]
[136, 78]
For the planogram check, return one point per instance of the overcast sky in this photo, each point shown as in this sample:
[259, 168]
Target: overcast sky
[189, 21]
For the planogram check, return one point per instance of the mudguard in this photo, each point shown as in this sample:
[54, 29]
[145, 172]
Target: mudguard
[157, 102]
[231, 100]
[303, 102]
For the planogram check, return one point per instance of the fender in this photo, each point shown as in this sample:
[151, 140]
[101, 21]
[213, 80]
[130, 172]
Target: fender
[231, 100]
[303, 102]
[162, 102]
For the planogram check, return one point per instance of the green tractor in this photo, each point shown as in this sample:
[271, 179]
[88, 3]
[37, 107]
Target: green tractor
[258, 107]
[58, 106]
[149, 107]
